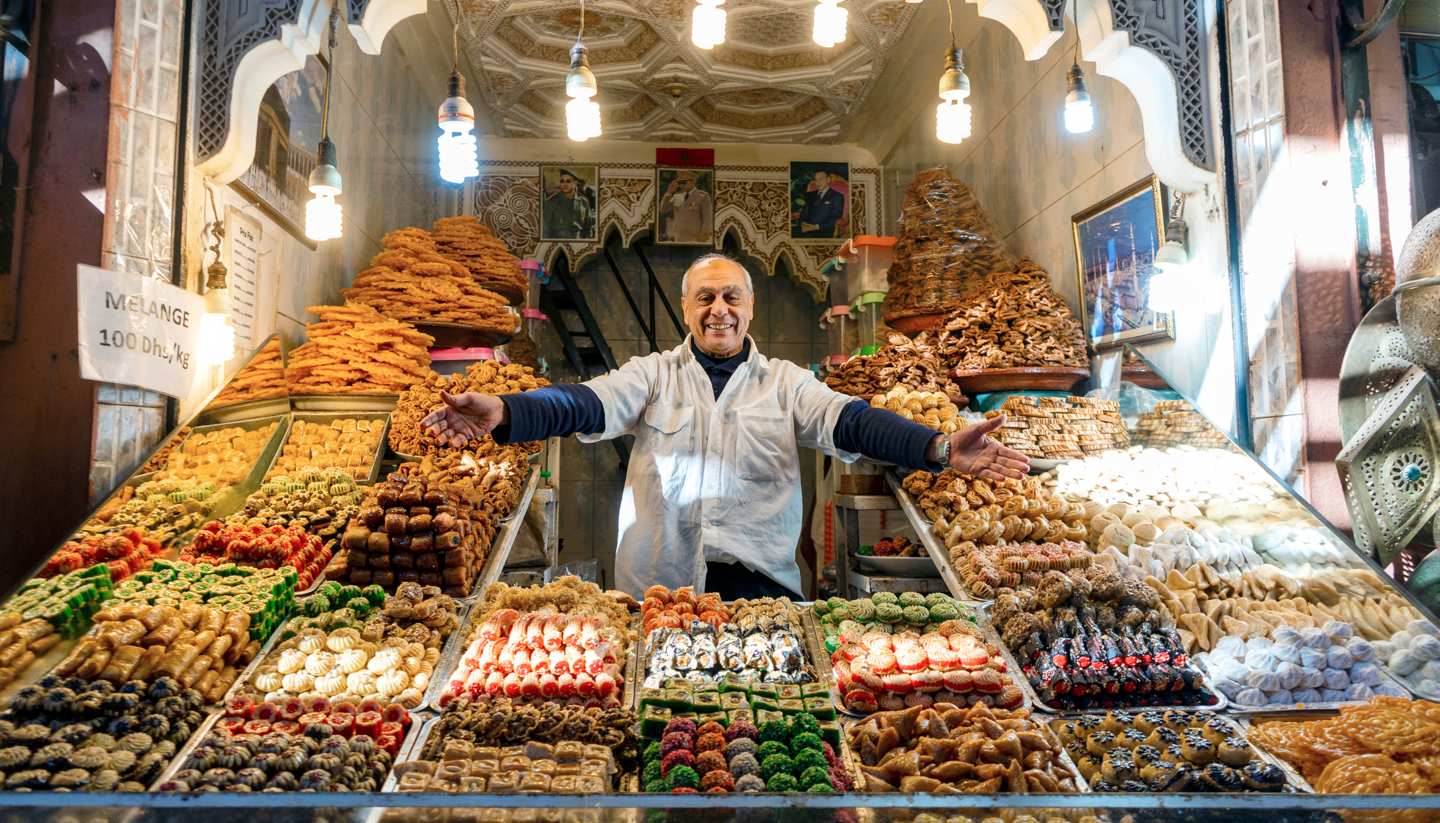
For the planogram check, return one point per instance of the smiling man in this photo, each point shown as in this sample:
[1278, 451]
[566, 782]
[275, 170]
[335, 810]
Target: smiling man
[712, 496]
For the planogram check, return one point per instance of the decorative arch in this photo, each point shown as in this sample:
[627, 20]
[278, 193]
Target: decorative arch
[1156, 49]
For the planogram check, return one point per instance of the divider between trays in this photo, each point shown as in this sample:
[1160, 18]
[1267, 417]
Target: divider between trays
[499, 553]
[249, 671]
[933, 546]
[1246, 722]
[449, 658]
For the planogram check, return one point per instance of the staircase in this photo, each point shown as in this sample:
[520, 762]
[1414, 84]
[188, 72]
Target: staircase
[586, 349]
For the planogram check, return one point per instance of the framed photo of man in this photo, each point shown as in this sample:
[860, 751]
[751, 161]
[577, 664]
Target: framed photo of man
[819, 201]
[1115, 245]
[684, 207]
[568, 201]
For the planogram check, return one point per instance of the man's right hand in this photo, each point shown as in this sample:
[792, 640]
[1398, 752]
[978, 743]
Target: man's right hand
[464, 417]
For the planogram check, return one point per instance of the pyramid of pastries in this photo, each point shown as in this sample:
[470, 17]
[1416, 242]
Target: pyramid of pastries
[468, 241]
[410, 280]
[262, 378]
[1013, 319]
[946, 244]
[357, 350]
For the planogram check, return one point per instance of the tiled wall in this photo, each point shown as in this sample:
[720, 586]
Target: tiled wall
[1266, 255]
[139, 209]
[785, 326]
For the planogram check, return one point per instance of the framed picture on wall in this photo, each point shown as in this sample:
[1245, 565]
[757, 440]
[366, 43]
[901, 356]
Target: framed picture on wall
[568, 200]
[288, 132]
[685, 206]
[819, 201]
[1115, 245]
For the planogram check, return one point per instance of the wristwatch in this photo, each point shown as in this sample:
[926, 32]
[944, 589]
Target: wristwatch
[942, 452]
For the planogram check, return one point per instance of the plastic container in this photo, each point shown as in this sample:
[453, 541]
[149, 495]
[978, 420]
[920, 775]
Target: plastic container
[867, 262]
[535, 323]
[455, 361]
[839, 329]
[867, 316]
[538, 277]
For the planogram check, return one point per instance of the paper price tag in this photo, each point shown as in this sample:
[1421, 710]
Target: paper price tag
[137, 330]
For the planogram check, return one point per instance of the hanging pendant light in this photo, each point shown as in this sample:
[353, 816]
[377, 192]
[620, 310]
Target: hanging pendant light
[324, 216]
[707, 24]
[952, 116]
[582, 113]
[1079, 111]
[830, 22]
[1170, 261]
[217, 333]
[456, 118]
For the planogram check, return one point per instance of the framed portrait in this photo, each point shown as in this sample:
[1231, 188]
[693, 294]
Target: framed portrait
[286, 138]
[819, 201]
[1115, 245]
[569, 195]
[684, 206]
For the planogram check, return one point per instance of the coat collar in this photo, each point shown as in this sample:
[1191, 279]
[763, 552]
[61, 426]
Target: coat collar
[686, 355]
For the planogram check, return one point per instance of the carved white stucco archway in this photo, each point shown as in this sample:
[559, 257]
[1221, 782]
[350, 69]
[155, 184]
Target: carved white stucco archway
[246, 45]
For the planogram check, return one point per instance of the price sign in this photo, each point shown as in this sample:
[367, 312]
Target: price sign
[137, 330]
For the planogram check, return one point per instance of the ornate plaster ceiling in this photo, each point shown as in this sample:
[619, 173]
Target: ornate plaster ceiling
[767, 82]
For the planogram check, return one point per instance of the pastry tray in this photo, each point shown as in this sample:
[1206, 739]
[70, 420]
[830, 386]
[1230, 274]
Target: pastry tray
[1034, 699]
[326, 417]
[1293, 708]
[818, 663]
[343, 402]
[931, 542]
[450, 661]
[178, 763]
[852, 760]
[245, 410]
[1292, 777]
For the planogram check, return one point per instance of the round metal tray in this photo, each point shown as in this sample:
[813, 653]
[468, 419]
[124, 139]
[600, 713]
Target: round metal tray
[899, 566]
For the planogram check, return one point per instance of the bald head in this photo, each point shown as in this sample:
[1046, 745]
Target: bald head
[718, 299]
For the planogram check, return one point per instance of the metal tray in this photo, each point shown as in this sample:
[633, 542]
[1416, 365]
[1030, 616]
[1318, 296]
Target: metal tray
[326, 417]
[900, 566]
[178, 763]
[449, 658]
[852, 760]
[245, 410]
[1294, 708]
[343, 402]
[1036, 702]
[249, 671]
[1291, 773]
[40, 667]
[932, 544]
[813, 650]
[504, 541]
[1297, 783]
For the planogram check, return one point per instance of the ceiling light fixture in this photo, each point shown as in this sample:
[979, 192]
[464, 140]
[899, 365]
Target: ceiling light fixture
[582, 113]
[707, 24]
[217, 334]
[1079, 111]
[1170, 261]
[456, 117]
[324, 217]
[953, 116]
[830, 22]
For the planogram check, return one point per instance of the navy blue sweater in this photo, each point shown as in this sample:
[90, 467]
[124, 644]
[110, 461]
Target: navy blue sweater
[565, 409]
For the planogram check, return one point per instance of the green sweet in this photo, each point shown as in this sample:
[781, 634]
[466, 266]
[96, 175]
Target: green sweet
[770, 748]
[359, 605]
[820, 608]
[781, 783]
[808, 741]
[941, 612]
[889, 613]
[835, 603]
[820, 788]
[773, 765]
[683, 776]
[657, 786]
[316, 605]
[774, 730]
[912, 599]
[936, 598]
[918, 615]
[810, 758]
[651, 772]
[862, 609]
[813, 775]
[879, 598]
[842, 613]
[652, 752]
[802, 723]
[374, 594]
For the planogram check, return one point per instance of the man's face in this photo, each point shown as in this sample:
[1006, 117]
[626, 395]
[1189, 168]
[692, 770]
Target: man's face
[822, 179]
[684, 184]
[567, 185]
[718, 308]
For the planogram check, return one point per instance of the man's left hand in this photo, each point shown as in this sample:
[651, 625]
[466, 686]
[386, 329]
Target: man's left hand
[974, 452]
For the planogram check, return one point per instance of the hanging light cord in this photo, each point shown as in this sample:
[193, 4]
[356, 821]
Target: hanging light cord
[455, 47]
[1075, 17]
[581, 35]
[329, 67]
[950, 13]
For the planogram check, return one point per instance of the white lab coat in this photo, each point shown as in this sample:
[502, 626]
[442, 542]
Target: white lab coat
[713, 479]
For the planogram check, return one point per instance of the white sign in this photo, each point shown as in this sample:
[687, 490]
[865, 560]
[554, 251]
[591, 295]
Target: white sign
[137, 330]
[242, 241]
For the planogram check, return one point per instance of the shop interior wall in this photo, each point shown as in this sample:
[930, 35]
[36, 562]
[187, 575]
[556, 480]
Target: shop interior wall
[382, 115]
[1031, 175]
